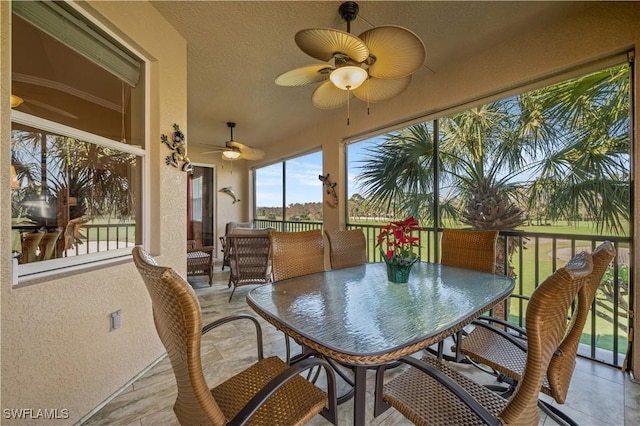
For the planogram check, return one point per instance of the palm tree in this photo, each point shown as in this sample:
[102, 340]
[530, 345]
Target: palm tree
[555, 150]
[544, 151]
[53, 166]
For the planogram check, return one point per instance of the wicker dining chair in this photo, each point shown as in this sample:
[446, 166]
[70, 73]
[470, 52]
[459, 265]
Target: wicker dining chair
[48, 245]
[224, 243]
[296, 253]
[431, 393]
[346, 248]
[470, 249]
[30, 244]
[505, 353]
[249, 259]
[266, 393]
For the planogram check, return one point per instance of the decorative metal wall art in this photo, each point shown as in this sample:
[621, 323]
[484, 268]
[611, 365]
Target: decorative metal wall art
[178, 145]
[229, 191]
[330, 190]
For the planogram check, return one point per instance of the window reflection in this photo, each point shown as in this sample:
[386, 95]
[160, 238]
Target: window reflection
[70, 196]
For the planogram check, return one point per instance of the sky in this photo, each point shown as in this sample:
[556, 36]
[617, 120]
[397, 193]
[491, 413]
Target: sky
[303, 185]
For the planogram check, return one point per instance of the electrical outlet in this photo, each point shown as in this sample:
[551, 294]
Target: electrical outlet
[115, 320]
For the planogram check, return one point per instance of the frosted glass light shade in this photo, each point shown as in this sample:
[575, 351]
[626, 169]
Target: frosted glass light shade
[349, 77]
[230, 155]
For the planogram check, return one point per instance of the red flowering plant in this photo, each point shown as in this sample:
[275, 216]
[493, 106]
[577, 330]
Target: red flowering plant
[399, 242]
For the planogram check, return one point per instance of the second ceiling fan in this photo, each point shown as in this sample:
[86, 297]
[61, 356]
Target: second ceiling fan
[234, 150]
[375, 66]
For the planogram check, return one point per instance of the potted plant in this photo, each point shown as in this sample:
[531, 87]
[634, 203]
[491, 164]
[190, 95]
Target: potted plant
[399, 255]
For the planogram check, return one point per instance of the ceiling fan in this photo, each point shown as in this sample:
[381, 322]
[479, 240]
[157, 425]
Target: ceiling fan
[375, 66]
[32, 105]
[235, 150]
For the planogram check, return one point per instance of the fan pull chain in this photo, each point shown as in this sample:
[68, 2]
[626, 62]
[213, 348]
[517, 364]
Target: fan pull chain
[368, 96]
[348, 109]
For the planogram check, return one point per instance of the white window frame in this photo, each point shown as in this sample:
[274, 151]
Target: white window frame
[55, 265]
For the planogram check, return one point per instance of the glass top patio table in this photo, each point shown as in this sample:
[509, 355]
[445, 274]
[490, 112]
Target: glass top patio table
[357, 317]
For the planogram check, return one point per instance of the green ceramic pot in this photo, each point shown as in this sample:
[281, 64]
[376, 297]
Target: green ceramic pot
[399, 273]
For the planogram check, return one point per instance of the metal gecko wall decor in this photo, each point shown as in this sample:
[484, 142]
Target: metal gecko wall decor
[330, 190]
[178, 145]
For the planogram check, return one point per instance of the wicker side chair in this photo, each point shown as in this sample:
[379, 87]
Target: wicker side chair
[434, 394]
[200, 260]
[347, 248]
[30, 244]
[296, 253]
[505, 352]
[249, 259]
[266, 393]
[48, 245]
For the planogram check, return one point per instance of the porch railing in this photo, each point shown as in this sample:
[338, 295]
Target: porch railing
[538, 255]
[96, 238]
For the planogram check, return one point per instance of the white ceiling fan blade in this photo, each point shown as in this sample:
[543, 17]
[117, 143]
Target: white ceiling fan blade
[304, 75]
[328, 96]
[216, 150]
[325, 43]
[398, 51]
[247, 152]
[377, 90]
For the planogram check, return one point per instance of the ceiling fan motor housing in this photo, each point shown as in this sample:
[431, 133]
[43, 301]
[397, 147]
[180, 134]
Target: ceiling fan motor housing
[348, 12]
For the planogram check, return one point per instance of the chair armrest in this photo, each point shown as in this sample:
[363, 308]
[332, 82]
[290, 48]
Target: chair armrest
[504, 334]
[280, 380]
[231, 318]
[446, 381]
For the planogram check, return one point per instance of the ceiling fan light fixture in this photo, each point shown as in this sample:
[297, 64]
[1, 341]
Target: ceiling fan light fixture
[230, 155]
[16, 101]
[349, 77]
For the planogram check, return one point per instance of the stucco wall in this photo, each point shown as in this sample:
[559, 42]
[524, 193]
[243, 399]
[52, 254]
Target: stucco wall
[57, 350]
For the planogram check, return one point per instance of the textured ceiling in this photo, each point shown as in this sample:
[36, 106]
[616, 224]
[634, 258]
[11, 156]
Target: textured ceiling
[237, 48]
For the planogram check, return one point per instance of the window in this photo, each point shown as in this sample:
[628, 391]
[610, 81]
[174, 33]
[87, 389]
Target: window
[551, 167]
[77, 140]
[290, 193]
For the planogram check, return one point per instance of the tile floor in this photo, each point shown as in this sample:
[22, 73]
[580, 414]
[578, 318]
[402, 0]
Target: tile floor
[599, 395]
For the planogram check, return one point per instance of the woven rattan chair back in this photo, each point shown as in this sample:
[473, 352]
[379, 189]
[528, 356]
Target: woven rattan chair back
[296, 253]
[178, 320]
[30, 244]
[564, 361]
[249, 259]
[546, 325]
[228, 229]
[469, 249]
[48, 244]
[347, 248]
